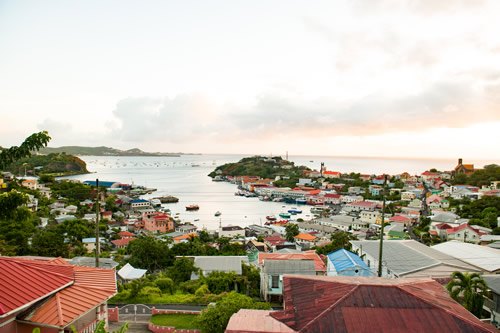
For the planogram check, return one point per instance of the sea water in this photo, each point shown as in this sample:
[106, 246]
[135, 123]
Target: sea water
[186, 177]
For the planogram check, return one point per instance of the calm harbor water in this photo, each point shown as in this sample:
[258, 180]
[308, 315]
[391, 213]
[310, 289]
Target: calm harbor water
[178, 177]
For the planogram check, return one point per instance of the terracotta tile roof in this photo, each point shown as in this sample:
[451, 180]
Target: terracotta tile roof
[305, 237]
[22, 283]
[124, 234]
[354, 304]
[319, 264]
[122, 241]
[463, 227]
[185, 236]
[400, 219]
[92, 287]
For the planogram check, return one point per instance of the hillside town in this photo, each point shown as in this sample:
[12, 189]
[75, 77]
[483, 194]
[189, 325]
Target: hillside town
[79, 254]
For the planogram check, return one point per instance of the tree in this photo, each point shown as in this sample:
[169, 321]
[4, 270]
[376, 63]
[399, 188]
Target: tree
[291, 230]
[181, 270]
[34, 142]
[150, 253]
[49, 243]
[214, 319]
[468, 290]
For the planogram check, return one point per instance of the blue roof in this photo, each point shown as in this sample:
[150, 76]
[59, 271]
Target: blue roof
[138, 201]
[101, 183]
[344, 260]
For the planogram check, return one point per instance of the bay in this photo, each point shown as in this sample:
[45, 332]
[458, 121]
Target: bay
[186, 177]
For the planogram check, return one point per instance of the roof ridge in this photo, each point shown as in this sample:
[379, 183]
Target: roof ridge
[59, 309]
[25, 262]
[435, 304]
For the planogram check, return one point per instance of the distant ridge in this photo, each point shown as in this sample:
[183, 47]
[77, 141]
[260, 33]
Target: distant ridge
[102, 151]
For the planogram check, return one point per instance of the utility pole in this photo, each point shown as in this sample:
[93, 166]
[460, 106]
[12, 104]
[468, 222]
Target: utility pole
[382, 229]
[97, 213]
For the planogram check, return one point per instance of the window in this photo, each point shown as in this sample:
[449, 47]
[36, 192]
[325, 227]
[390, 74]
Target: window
[275, 283]
[368, 263]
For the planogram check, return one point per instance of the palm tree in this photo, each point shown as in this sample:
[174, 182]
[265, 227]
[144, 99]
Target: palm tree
[468, 290]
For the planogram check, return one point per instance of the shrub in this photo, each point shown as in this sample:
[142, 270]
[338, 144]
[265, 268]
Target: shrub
[166, 285]
[202, 291]
[149, 292]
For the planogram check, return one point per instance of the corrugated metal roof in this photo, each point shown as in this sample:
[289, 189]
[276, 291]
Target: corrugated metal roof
[22, 283]
[407, 256]
[493, 282]
[347, 304]
[255, 321]
[220, 263]
[128, 272]
[319, 265]
[344, 260]
[484, 257]
[303, 267]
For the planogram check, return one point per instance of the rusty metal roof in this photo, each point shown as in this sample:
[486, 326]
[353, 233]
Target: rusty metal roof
[318, 262]
[347, 304]
[21, 283]
[255, 321]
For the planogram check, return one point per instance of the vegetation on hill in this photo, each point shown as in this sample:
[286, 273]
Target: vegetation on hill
[101, 151]
[480, 177]
[261, 166]
[32, 143]
[53, 164]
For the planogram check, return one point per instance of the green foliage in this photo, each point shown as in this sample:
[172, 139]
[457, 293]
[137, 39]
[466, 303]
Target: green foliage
[181, 270]
[52, 164]
[291, 230]
[32, 143]
[202, 291]
[166, 285]
[148, 292]
[150, 253]
[480, 177]
[219, 282]
[259, 166]
[252, 276]
[74, 192]
[49, 243]
[214, 319]
[340, 240]
[468, 290]
[190, 286]
[481, 212]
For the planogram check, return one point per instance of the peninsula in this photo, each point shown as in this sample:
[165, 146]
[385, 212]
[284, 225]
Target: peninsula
[103, 151]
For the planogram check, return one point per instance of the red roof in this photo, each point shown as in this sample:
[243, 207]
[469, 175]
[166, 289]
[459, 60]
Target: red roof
[332, 195]
[364, 204]
[334, 173]
[122, 241]
[274, 239]
[22, 283]
[400, 219]
[306, 237]
[354, 304]
[463, 227]
[124, 234]
[319, 265]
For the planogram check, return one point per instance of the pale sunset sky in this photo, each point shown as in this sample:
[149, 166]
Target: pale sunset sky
[400, 78]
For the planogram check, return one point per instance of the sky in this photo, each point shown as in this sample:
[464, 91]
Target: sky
[395, 78]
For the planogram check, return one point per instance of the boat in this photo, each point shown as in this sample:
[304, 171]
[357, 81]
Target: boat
[217, 213]
[294, 211]
[192, 207]
[284, 215]
[270, 218]
[300, 201]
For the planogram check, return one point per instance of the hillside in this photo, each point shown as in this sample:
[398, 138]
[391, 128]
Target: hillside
[101, 151]
[53, 164]
[261, 166]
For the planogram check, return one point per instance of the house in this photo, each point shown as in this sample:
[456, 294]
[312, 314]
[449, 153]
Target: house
[122, 242]
[369, 216]
[359, 206]
[209, 264]
[231, 231]
[272, 272]
[52, 295]
[102, 183]
[332, 174]
[89, 243]
[404, 220]
[408, 196]
[90, 262]
[346, 263]
[332, 198]
[186, 228]
[360, 305]
[32, 184]
[483, 258]
[305, 240]
[409, 258]
[465, 233]
[492, 305]
[319, 265]
[183, 238]
[343, 222]
[128, 272]
[274, 240]
[158, 222]
[139, 203]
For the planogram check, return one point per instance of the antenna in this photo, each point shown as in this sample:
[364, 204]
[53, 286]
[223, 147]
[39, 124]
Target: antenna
[97, 225]
[382, 230]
